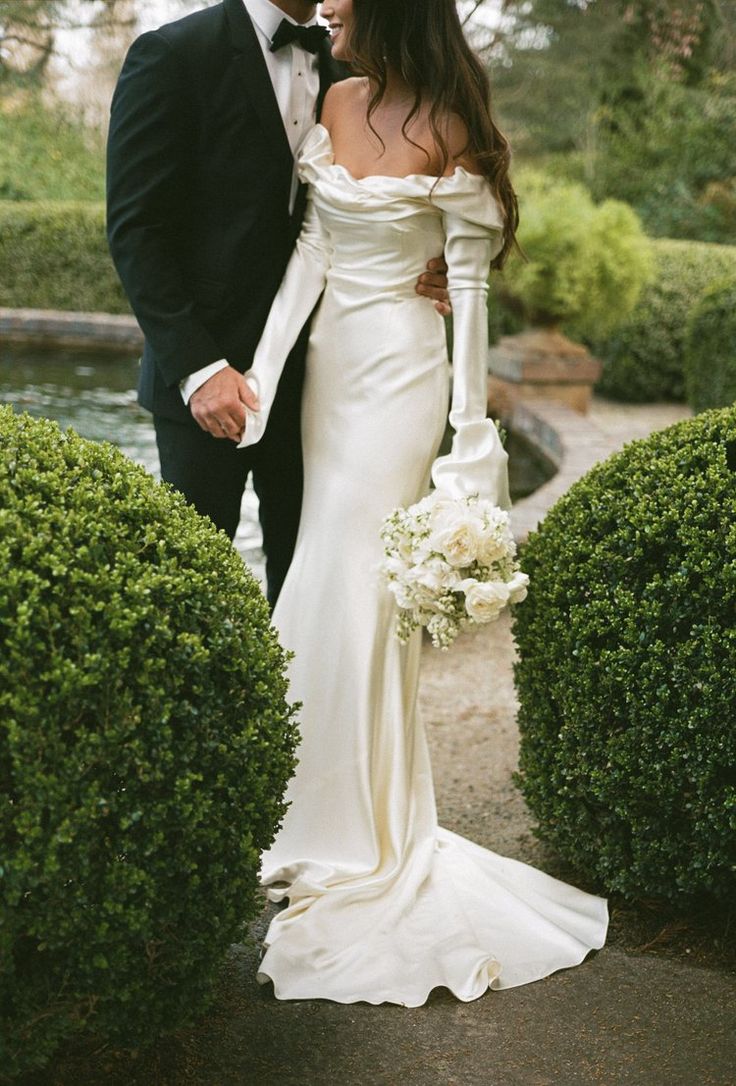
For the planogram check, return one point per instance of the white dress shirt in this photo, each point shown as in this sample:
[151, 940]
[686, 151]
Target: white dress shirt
[295, 78]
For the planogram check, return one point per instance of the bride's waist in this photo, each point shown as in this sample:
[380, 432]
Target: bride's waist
[379, 282]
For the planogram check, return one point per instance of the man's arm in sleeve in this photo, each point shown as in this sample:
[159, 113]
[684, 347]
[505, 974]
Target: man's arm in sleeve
[146, 159]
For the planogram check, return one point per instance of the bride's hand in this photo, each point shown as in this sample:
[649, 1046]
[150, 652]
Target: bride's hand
[218, 406]
[433, 284]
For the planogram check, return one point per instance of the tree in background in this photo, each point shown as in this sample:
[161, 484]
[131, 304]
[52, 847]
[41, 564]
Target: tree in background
[28, 33]
[635, 97]
[47, 150]
[26, 40]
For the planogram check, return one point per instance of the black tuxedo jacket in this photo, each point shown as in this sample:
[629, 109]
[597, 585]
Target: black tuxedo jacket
[199, 177]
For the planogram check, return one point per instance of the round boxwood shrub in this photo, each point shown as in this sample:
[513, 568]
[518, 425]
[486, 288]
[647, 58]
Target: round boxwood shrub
[586, 263]
[710, 348]
[643, 358]
[626, 674]
[145, 745]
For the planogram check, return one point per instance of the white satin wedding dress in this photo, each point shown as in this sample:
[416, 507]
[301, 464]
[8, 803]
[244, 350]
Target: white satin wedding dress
[384, 905]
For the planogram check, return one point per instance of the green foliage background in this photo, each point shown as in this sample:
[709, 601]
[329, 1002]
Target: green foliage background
[643, 357]
[635, 98]
[47, 155]
[673, 158]
[710, 348]
[585, 264]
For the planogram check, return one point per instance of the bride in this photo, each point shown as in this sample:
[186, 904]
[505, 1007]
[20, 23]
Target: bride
[383, 904]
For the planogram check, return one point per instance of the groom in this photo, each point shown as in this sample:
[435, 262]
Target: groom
[204, 208]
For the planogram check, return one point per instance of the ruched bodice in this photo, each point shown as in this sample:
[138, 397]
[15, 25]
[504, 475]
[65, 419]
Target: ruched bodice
[387, 256]
[382, 196]
[364, 244]
[382, 230]
[384, 904]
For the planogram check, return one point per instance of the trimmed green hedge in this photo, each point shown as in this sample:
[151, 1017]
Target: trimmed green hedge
[145, 745]
[47, 152]
[55, 256]
[710, 348]
[643, 358]
[626, 674]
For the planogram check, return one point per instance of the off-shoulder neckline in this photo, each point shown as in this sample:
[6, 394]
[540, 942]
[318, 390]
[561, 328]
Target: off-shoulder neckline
[393, 176]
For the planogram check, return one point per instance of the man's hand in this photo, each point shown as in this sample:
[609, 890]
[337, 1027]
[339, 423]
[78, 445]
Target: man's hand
[218, 405]
[433, 284]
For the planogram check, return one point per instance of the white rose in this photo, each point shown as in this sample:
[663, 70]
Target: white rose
[446, 510]
[459, 541]
[517, 587]
[484, 601]
[446, 576]
[429, 578]
[433, 578]
[449, 512]
[492, 547]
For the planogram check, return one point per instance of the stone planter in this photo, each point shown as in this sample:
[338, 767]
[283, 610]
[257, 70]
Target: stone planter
[540, 363]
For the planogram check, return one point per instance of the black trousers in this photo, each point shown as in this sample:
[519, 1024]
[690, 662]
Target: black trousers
[212, 472]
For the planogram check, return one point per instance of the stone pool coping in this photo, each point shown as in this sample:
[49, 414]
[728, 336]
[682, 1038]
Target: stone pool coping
[61, 328]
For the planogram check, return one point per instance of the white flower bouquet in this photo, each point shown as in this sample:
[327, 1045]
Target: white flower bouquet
[450, 563]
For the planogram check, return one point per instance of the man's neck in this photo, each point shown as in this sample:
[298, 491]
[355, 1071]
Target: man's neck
[301, 11]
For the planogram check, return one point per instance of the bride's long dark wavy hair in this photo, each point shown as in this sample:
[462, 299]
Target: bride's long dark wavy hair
[424, 41]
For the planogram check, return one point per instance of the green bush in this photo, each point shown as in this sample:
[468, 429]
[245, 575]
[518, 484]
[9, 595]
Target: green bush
[45, 154]
[586, 264]
[710, 348]
[643, 358]
[626, 674]
[55, 256]
[670, 152]
[145, 744]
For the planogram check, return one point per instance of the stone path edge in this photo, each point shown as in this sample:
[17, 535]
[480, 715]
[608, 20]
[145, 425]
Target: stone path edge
[571, 441]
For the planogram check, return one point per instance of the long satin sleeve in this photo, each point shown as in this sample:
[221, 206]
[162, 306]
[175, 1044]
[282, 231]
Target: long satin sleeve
[300, 289]
[477, 462]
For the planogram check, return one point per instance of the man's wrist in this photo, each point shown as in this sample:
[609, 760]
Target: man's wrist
[195, 380]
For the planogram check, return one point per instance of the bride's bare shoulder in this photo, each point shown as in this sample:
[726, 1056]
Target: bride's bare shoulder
[343, 97]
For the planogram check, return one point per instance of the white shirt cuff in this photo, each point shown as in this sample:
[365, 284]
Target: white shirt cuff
[195, 380]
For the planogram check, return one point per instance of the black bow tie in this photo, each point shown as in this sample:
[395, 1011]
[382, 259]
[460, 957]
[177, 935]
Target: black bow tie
[308, 37]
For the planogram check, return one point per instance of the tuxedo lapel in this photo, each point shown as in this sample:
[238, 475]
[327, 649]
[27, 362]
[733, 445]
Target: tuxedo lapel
[254, 74]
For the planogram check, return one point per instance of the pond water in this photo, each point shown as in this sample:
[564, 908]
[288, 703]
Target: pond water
[94, 391]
